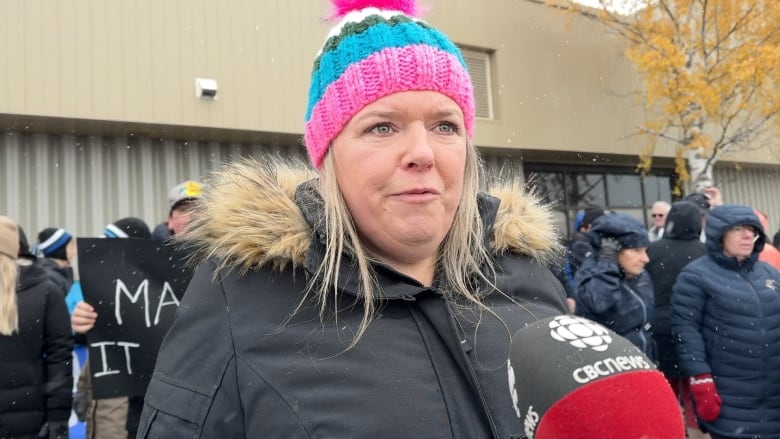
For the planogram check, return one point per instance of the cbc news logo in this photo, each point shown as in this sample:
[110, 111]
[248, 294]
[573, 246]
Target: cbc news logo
[580, 333]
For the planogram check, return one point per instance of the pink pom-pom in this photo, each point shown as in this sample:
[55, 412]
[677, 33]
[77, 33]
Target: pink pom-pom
[343, 7]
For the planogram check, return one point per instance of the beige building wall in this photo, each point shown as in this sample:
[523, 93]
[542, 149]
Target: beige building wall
[559, 84]
[99, 116]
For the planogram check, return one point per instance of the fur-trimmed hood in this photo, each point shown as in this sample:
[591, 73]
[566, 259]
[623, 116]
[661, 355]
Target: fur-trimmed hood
[249, 217]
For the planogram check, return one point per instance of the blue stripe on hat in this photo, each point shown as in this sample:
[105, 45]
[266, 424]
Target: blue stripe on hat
[61, 237]
[359, 46]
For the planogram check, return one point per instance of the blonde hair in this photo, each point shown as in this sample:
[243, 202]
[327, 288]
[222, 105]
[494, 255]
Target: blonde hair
[462, 256]
[9, 317]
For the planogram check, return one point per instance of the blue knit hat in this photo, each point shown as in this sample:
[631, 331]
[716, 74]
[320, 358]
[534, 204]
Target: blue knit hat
[52, 243]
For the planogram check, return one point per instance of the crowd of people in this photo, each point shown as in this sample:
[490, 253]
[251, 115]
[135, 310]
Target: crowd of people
[697, 292]
[381, 284]
[43, 316]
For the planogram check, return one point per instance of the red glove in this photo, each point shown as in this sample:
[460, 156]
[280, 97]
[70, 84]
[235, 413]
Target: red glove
[705, 397]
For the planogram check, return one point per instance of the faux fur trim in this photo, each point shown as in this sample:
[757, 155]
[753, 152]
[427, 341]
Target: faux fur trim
[248, 218]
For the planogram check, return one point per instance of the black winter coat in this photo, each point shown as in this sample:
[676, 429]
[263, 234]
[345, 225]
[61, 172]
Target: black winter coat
[624, 305]
[679, 246]
[36, 375]
[726, 317]
[61, 277]
[239, 361]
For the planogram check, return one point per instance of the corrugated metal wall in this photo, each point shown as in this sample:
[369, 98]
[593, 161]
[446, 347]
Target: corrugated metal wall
[83, 183]
[756, 187]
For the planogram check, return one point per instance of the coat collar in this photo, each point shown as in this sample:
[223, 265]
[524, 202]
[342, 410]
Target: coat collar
[255, 214]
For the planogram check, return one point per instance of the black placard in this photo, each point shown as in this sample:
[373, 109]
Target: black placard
[135, 286]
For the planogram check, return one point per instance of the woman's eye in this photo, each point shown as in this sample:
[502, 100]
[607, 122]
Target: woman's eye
[381, 129]
[447, 127]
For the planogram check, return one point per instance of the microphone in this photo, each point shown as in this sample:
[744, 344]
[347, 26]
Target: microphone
[570, 377]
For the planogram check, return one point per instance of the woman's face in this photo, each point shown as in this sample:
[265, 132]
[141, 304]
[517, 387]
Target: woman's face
[399, 163]
[633, 260]
[738, 242]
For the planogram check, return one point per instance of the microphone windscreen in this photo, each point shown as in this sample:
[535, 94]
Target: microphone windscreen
[572, 378]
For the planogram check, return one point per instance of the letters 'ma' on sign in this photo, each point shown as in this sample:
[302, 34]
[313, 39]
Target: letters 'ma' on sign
[135, 286]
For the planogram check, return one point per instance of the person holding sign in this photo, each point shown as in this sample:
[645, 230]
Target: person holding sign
[106, 417]
[384, 289]
[36, 378]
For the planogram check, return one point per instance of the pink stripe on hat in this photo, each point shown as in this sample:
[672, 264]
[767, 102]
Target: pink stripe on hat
[392, 70]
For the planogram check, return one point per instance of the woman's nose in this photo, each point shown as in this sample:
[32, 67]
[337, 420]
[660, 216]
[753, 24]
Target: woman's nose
[419, 151]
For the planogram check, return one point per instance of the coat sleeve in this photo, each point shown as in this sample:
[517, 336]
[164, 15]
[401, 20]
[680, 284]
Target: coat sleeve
[58, 346]
[688, 301]
[598, 286]
[193, 391]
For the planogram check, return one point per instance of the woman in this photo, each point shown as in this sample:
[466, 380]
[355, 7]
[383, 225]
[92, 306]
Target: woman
[726, 317]
[613, 287]
[36, 376]
[378, 299]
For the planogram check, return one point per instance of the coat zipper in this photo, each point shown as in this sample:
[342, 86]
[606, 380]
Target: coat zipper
[646, 319]
[460, 335]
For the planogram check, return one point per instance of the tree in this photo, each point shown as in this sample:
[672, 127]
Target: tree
[711, 71]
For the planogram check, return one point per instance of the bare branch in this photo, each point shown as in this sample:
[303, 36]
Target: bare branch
[660, 134]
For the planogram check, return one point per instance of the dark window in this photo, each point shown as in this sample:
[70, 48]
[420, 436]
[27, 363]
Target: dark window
[569, 190]
[624, 190]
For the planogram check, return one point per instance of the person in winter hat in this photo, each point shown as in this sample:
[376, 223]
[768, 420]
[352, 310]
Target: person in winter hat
[294, 270]
[36, 376]
[105, 417]
[129, 227]
[24, 245]
[726, 319]
[679, 246]
[57, 249]
[55, 243]
[579, 248]
[181, 199]
[612, 286]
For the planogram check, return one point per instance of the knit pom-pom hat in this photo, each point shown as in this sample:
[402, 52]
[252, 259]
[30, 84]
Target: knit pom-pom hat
[379, 47]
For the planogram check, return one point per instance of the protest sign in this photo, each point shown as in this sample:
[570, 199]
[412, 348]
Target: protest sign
[135, 286]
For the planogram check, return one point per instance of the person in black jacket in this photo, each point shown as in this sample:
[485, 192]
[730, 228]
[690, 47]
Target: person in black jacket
[56, 249]
[613, 287]
[36, 376]
[679, 246]
[376, 298]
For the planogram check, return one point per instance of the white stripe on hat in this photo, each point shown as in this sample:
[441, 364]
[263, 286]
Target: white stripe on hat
[52, 239]
[119, 233]
[360, 15]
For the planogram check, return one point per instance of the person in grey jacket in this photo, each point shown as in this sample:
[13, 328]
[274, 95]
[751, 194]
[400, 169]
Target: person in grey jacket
[376, 299]
[726, 319]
